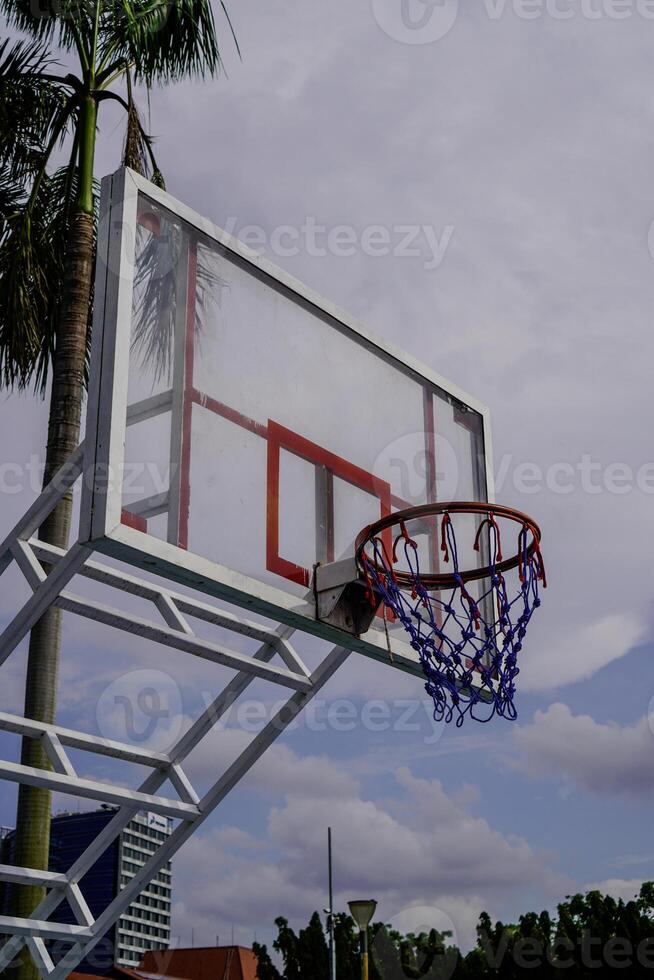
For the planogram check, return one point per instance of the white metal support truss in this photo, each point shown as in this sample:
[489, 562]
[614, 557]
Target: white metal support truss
[49, 571]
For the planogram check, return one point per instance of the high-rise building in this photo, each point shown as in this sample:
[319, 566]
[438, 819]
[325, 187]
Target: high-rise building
[146, 923]
[145, 926]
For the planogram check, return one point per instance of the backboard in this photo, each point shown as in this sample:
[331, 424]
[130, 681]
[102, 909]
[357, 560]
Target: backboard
[242, 429]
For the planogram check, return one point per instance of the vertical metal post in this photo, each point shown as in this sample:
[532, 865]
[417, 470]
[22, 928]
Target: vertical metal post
[182, 403]
[330, 921]
[362, 913]
[363, 935]
[431, 475]
[324, 514]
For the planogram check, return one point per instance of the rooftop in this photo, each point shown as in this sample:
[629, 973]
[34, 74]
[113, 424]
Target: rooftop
[199, 963]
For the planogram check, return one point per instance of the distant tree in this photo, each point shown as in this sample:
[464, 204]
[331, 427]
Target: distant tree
[306, 955]
[346, 936]
[591, 936]
[312, 952]
[393, 956]
[414, 956]
[266, 969]
[286, 945]
[429, 955]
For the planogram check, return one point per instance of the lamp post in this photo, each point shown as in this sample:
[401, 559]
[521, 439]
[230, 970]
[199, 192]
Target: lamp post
[331, 918]
[362, 912]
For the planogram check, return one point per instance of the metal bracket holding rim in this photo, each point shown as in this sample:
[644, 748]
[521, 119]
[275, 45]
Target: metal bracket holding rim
[343, 597]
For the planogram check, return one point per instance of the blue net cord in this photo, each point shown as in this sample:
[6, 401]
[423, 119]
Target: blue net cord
[468, 647]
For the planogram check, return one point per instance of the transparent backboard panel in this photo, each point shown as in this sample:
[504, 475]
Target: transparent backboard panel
[262, 433]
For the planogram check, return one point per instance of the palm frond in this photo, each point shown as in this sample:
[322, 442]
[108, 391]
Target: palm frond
[49, 20]
[160, 289]
[27, 278]
[32, 250]
[165, 40]
[32, 107]
[11, 195]
[158, 261]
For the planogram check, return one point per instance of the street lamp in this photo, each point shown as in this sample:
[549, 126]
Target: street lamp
[362, 913]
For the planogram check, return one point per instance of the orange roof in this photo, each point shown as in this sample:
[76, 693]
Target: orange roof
[202, 963]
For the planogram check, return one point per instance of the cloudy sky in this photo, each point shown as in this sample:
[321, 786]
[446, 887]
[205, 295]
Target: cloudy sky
[520, 139]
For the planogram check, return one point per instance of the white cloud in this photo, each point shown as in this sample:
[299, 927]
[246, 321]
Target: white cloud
[279, 772]
[606, 759]
[417, 847]
[567, 656]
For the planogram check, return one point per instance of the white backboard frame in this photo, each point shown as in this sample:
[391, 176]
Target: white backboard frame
[100, 526]
[166, 618]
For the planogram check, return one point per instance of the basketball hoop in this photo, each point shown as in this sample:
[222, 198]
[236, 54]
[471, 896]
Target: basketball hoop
[468, 644]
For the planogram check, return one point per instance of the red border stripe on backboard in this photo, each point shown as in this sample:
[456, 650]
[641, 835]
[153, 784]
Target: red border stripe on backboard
[219, 408]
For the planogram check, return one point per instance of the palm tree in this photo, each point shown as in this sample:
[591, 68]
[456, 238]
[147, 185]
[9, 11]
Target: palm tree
[47, 245]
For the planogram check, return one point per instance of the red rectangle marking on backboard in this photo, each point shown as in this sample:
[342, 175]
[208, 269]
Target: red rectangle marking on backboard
[280, 438]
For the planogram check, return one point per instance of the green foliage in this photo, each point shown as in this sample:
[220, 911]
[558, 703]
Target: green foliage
[592, 935]
[392, 955]
[266, 969]
[148, 40]
[159, 258]
[32, 248]
[313, 957]
[48, 20]
[164, 40]
[286, 945]
[346, 941]
[32, 110]
[423, 955]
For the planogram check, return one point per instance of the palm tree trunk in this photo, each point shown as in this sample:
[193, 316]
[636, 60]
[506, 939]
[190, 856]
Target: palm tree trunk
[34, 804]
